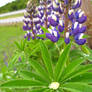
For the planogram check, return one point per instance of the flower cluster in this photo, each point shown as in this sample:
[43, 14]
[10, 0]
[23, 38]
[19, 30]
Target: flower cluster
[62, 18]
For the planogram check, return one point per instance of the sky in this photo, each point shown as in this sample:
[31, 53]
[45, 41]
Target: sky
[3, 2]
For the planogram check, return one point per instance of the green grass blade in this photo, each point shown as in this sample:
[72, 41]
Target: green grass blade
[31, 75]
[46, 58]
[22, 84]
[87, 78]
[81, 87]
[61, 62]
[72, 66]
[40, 70]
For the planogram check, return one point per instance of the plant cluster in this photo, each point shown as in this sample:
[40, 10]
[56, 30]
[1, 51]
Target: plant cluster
[60, 60]
[61, 18]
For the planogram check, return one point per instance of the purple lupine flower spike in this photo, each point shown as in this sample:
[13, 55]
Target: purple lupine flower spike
[51, 14]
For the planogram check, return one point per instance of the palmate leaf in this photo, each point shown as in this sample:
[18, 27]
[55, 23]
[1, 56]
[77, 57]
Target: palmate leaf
[81, 70]
[22, 84]
[86, 78]
[31, 75]
[72, 66]
[77, 86]
[40, 70]
[61, 62]
[47, 59]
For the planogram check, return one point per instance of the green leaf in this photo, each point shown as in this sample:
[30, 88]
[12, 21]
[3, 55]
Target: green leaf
[86, 36]
[72, 66]
[46, 58]
[42, 35]
[85, 49]
[90, 58]
[18, 45]
[60, 90]
[22, 84]
[87, 78]
[44, 29]
[14, 60]
[30, 75]
[47, 90]
[40, 70]
[61, 62]
[34, 49]
[76, 54]
[37, 90]
[81, 70]
[23, 44]
[78, 86]
[71, 90]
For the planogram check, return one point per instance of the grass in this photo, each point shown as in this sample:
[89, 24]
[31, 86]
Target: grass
[12, 16]
[9, 34]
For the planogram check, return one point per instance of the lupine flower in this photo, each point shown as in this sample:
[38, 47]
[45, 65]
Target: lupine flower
[79, 40]
[54, 20]
[71, 14]
[80, 16]
[53, 35]
[67, 39]
[61, 26]
[77, 4]
[52, 15]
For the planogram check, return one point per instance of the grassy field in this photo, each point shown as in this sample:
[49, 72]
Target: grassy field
[9, 34]
[12, 16]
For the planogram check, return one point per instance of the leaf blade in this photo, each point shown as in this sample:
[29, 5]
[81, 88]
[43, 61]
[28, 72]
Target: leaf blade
[31, 75]
[81, 70]
[40, 70]
[61, 62]
[72, 66]
[22, 84]
[82, 87]
[46, 58]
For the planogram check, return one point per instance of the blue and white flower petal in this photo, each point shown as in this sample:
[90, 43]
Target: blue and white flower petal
[67, 39]
[79, 39]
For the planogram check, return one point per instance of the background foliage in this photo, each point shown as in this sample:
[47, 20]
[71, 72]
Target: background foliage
[15, 5]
